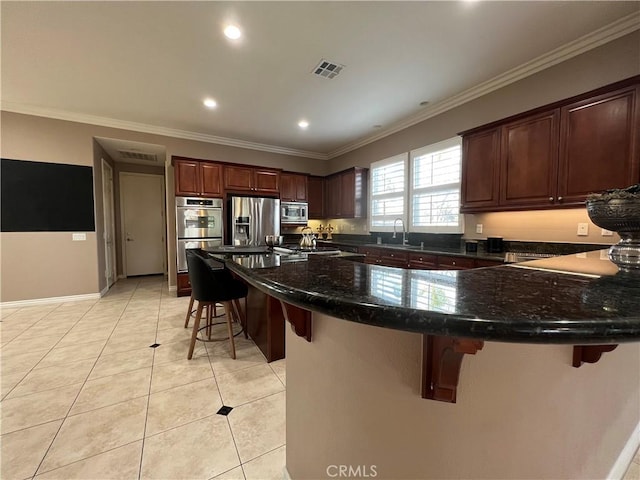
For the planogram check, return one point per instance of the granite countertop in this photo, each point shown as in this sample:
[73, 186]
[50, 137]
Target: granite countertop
[573, 299]
[440, 250]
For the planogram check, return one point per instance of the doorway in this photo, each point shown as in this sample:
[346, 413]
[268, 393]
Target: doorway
[108, 205]
[143, 223]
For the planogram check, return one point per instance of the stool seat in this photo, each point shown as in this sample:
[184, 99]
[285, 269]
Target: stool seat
[211, 284]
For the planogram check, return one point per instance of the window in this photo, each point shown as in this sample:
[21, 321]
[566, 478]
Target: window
[425, 196]
[388, 192]
[435, 188]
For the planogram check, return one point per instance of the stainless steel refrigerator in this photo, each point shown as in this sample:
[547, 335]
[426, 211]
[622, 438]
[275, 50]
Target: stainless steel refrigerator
[251, 219]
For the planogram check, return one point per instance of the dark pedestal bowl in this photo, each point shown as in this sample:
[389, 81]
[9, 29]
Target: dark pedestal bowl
[620, 215]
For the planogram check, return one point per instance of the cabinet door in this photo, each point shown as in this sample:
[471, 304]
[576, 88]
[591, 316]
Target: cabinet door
[529, 161]
[187, 177]
[287, 187]
[455, 263]
[300, 188]
[266, 181]
[316, 197]
[394, 258]
[211, 176]
[423, 261]
[598, 146]
[480, 170]
[347, 190]
[238, 178]
[333, 196]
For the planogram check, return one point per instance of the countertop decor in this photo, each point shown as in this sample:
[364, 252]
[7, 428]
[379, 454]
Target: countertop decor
[619, 211]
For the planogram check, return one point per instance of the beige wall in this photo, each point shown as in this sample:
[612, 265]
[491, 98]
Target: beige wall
[25, 137]
[353, 398]
[609, 63]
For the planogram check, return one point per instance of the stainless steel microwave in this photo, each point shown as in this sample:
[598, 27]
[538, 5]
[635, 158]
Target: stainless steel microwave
[294, 213]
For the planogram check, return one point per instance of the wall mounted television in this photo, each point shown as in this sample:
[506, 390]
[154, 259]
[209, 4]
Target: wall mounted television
[45, 197]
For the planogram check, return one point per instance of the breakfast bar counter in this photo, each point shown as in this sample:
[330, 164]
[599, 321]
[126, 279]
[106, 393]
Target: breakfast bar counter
[574, 299]
[407, 374]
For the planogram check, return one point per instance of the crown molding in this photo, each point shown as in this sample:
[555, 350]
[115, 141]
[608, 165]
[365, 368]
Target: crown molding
[153, 129]
[606, 34]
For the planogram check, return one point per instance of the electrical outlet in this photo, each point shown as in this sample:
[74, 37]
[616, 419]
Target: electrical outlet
[583, 229]
[78, 237]
[606, 233]
[478, 228]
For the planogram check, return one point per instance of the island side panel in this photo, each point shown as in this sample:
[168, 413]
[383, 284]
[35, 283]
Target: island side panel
[353, 398]
[265, 324]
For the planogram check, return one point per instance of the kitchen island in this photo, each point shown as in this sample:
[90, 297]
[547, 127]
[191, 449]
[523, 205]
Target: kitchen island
[355, 392]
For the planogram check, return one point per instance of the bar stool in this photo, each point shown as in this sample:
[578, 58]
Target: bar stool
[191, 310]
[210, 286]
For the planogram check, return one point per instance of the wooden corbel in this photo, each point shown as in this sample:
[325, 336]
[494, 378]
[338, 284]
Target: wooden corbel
[441, 362]
[589, 353]
[299, 318]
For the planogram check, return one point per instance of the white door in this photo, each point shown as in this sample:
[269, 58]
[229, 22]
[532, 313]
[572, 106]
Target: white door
[143, 224]
[109, 223]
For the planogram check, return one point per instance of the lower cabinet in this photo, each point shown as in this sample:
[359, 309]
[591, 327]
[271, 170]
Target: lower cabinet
[183, 285]
[390, 257]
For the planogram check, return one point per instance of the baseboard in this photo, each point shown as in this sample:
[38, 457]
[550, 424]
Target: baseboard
[104, 291]
[50, 300]
[173, 288]
[122, 276]
[285, 474]
[625, 458]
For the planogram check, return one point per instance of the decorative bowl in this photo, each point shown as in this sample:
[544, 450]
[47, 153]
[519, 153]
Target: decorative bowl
[619, 211]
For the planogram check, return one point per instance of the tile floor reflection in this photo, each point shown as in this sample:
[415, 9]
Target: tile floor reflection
[85, 397]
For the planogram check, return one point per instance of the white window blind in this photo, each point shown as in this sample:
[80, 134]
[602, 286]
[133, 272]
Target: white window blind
[435, 188]
[388, 192]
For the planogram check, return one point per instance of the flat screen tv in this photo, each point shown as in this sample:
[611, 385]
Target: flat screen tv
[45, 197]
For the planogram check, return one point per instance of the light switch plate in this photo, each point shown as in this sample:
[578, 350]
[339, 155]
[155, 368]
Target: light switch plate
[606, 233]
[478, 228]
[79, 237]
[583, 229]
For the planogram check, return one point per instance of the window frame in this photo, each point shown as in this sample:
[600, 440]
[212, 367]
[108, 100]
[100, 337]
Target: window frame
[411, 191]
[404, 157]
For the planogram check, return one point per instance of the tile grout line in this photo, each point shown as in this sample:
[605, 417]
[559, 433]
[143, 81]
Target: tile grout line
[153, 359]
[80, 390]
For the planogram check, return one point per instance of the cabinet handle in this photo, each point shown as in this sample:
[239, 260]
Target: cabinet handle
[551, 199]
[453, 263]
[559, 199]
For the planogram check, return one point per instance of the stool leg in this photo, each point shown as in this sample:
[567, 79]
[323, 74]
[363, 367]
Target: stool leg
[194, 335]
[186, 320]
[209, 319]
[241, 316]
[228, 309]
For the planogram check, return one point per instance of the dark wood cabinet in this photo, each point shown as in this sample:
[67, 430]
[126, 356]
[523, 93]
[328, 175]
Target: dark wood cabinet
[599, 145]
[423, 261]
[315, 194]
[254, 180]
[183, 285]
[196, 178]
[556, 155]
[293, 187]
[529, 160]
[345, 194]
[455, 263]
[480, 170]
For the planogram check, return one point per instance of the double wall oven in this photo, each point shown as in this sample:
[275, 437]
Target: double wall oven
[198, 225]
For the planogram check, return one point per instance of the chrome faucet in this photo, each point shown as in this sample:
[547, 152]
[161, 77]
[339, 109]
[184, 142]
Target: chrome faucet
[404, 233]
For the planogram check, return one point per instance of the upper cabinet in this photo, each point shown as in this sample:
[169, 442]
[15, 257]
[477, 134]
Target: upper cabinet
[315, 194]
[554, 156]
[254, 180]
[599, 144]
[195, 178]
[293, 187]
[345, 194]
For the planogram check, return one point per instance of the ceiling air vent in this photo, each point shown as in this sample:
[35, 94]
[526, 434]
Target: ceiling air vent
[327, 69]
[147, 157]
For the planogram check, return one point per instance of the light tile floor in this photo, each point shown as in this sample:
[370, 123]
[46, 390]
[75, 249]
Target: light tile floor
[85, 397]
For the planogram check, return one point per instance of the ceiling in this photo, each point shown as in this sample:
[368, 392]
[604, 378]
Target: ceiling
[148, 66]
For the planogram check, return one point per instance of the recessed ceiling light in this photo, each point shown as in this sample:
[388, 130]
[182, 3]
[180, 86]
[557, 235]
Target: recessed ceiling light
[424, 103]
[210, 103]
[303, 124]
[232, 32]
